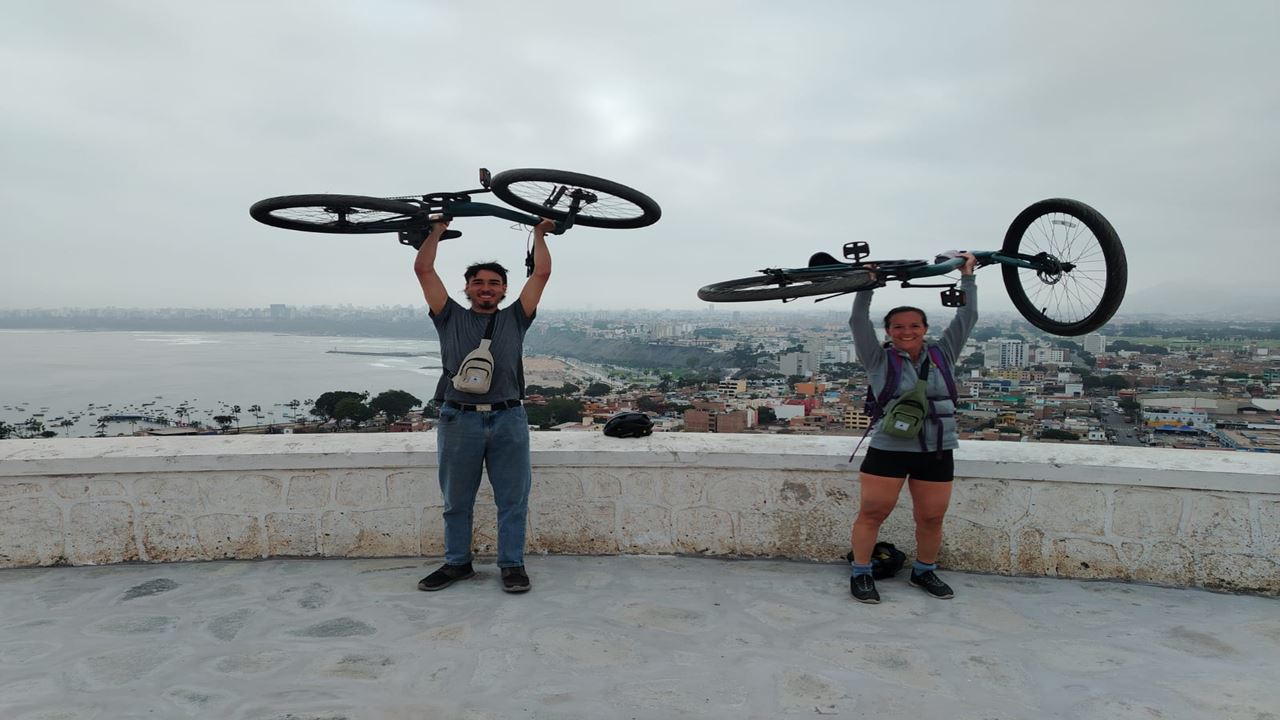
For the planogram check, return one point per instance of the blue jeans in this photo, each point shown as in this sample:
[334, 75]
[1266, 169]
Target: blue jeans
[498, 441]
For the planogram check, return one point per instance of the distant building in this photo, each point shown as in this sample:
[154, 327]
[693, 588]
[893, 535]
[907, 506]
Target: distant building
[803, 364]
[718, 422]
[732, 388]
[1095, 344]
[1004, 354]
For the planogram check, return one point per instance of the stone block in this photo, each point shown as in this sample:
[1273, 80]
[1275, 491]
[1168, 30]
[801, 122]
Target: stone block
[681, 489]
[1028, 554]
[597, 485]
[1219, 523]
[14, 489]
[167, 537]
[223, 536]
[82, 488]
[309, 492]
[1147, 515]
[1269, 527]
[30, 532]
[741, 493]
[704, 531]
[794, 491]
[763, 534]
[291, 534]
[646, 529]
[967, 545]
[583, 528]
[1166, 563]
[101, 533]
[1079, 558]
[431, 530]
[362, 489]
[1074, 509]
[557, 485]
[240, 494]
[368, 533]
[639, 484]
[840, 493]
[1240, 573]
[484, 524]
[174, 494]
[990, 503]
[819, 533]
[413, 488]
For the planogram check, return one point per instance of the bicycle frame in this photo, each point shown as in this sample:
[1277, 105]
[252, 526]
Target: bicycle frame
[925, 270]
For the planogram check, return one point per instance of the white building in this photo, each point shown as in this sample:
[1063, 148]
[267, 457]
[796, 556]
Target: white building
[1095, 344]
[804, 364]
[1004, 354]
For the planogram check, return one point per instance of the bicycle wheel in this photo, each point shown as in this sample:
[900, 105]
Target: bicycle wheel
[548, 193]
[337, 213]
[767, 287]
[1087, 291]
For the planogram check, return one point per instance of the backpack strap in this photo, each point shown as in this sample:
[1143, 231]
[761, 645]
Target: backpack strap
[875, 404]
[940, 360]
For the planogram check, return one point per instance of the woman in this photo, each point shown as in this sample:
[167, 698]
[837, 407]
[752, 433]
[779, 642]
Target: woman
[923, 464]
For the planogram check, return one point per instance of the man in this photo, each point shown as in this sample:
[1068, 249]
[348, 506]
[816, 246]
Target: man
[487, 430]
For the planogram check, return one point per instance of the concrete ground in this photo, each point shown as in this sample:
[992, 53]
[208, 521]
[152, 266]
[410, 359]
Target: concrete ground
[618, 637]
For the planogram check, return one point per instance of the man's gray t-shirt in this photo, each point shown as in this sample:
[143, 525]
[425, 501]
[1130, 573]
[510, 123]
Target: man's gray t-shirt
[461, 330]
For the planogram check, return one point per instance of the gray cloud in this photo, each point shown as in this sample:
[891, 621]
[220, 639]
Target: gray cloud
[136, 134]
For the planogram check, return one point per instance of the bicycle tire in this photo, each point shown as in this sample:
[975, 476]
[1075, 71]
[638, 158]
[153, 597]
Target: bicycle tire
[337, 213]
[765, 287]
[1086, 297]
[617, 205]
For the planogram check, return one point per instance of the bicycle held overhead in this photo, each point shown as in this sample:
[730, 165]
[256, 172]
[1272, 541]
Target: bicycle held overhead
[1063, 266]
[569, 198]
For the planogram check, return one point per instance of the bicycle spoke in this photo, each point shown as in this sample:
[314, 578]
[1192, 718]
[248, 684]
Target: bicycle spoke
[1070, 296]
[560, 197]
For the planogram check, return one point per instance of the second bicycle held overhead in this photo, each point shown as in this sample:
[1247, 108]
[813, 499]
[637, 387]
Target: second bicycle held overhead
[1062, 262]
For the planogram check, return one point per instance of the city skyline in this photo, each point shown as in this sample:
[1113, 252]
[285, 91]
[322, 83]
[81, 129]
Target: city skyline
[136, 139]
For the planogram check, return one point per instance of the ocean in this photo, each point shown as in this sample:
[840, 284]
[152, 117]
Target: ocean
[80, 376]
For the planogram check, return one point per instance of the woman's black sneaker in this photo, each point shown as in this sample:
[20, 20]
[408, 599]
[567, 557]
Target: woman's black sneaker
[445, 576]
[863, 589]
[932, 584]
[514, 579]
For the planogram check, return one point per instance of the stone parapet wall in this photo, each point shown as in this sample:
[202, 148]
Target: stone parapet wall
[1172, 517]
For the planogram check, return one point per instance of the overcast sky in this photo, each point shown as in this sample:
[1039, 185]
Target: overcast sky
[135, 135]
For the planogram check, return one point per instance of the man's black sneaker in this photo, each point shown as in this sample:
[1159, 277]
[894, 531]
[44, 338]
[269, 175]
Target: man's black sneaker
[445, 576]
[932, 584]
[863, 589]
[514, 579]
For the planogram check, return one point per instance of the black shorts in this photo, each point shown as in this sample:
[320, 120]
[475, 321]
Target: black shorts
[929, 466]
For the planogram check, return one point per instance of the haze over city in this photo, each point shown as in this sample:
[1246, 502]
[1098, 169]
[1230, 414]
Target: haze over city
[139, 132]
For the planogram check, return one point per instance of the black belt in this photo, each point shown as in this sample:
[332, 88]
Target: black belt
[483, 408]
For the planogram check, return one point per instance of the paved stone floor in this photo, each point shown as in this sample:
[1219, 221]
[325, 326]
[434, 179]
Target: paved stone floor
[618, 637]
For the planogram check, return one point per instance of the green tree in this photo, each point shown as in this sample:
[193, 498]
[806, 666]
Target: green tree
[6, 430]
[224, 421]
[352, 410]
[597, 389]
[1055, 434]
[394, 404]
[556, 411]
[766, 415]
[327, 404]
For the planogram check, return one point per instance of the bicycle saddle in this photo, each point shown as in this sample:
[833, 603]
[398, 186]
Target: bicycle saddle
[822, 258]
[414, 238]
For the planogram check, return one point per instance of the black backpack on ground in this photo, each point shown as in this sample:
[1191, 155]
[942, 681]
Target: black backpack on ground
[886, 560]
